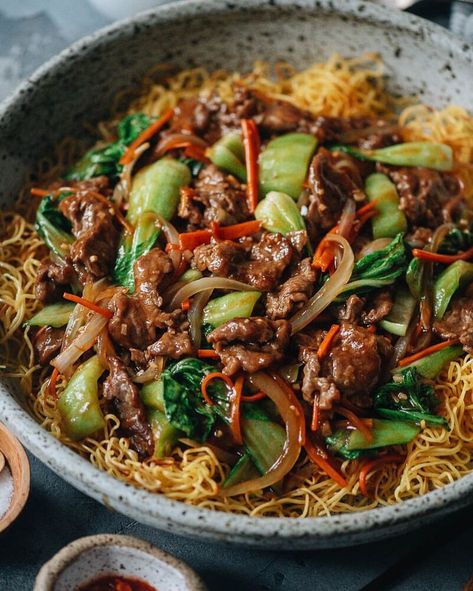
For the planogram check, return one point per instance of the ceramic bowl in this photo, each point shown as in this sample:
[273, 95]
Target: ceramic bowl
[78, 85]
[89, 558]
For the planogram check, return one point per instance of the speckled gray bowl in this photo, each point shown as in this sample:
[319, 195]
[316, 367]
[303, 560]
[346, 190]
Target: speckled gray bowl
[90, 558]
[79, 84]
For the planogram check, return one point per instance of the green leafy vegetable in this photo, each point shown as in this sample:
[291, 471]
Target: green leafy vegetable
[155, 190]
[284, 163]
[425, 154]
[414, 277]
[55, 315]
[378, 268]
[242, 471]
[407, 397]
[238, 304]
[398, 319]
[455, 276]
[228, 154]
[456, 240]
[431, 365]
[52, 226]
[389, 220]
[264, 441]
[195, 166]
[164, 433]
[105, 161]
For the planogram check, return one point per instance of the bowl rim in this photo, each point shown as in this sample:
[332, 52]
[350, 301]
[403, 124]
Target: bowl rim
[51, 570]
[177, 516]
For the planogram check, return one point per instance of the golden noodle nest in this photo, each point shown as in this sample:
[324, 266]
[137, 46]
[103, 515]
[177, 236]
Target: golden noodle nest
[339, 87]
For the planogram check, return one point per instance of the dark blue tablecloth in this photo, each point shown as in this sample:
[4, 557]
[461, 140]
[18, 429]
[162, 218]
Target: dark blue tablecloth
[436, 558]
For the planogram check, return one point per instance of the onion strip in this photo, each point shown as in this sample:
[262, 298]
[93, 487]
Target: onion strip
[205, 283]
[194, 315]
[329, 291]
[292, 447]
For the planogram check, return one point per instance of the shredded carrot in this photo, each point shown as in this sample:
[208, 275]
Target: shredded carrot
[216, 375]
[186, 304]
[372, 465]
[428, 351]
[325, 345]
[196, 153]
[254, 397]
[371, 328]
[207, 354]
[235, 413]
[235, 231]
[191, 240]
[170, 246]
[144, 136]
[368, 207]
[39, 192]
[314, 424]
[52, 383]
[442, 258]
[88, 304]
[319, 457]
[356, 421]
[361, 222]
[252, 145]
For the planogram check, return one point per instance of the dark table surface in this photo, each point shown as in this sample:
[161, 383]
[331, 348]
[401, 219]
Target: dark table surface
[438, 557]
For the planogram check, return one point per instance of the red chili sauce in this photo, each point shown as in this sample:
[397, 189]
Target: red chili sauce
[113, 583]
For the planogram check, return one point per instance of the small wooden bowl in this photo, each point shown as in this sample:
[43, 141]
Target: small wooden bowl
[17, 461]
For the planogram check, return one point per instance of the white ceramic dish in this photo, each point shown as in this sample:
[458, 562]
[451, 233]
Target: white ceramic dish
[90, 558]
[78, 85]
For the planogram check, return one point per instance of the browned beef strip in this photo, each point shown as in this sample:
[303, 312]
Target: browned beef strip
[125, 399]
[173, 344]
[47, 343]
[378, 307]
[362, 131]
[128, 326]
[217, 197]
[282, 117]
[420, 237]
[425, 195]
[293, 293]
[330, 189]
[52, 279]
[350, 311]
[152, 271]
[457, 322]
[260, 266]
[94, 250]
[251, 343]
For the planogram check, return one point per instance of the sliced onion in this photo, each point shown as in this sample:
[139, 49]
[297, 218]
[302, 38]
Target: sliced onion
[292, 446]
[347, 218]
[329, 291]
[122, 188]
[190, 289]
[373, 246]
[169, 140]
[195, 315]
[84, 341]
[105, 348]
[153, 371]
[172, 237]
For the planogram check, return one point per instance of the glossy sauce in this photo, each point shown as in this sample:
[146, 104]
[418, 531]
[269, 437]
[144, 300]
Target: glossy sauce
[113, 583]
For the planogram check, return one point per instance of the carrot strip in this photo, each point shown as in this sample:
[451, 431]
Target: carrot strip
[325, 345]
[186, 304]
[36, 192]
[442, 258]
[428, 351]
[213, 376]
[129, 153]
[316, 455]
[52, 383]
[235, 414]
[196, 153]
[368, 207]
[207, 354]
[235, 231]
[88, 304]
[191, 240]
[251, 143]
[356, 421]
[254, 397]
[369, 466]
[314, 424]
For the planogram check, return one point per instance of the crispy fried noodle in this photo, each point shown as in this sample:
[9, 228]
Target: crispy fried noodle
[194, 473]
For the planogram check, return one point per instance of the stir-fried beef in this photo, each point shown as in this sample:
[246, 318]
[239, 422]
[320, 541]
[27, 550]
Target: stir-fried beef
[125, 399]
[350, 311]
[93, 253]
[217, 197]
[362, 131]
[330, 189]
[457, 322]
[173, 344]
[152, 271]
[250, 344]
[427, 196]
[283, 117]
[260, 266]
[52, 279]
[293, 293]
[378, 307]
[128, 326]
[47, 343]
